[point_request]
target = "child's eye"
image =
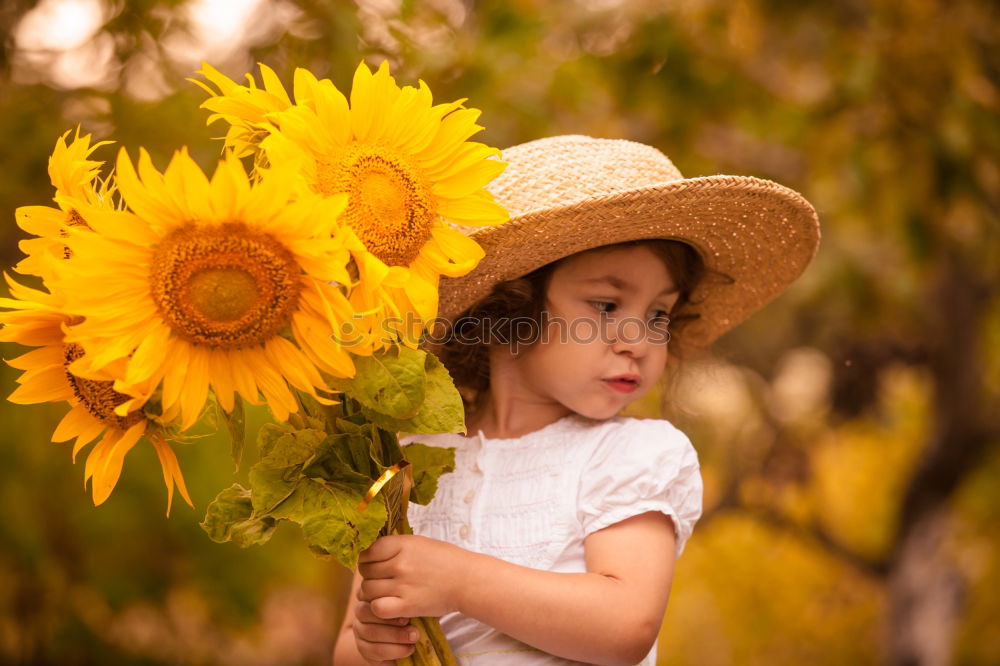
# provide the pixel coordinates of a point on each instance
(604, 306)
(661, 315)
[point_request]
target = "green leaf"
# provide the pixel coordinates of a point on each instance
(254, 531)
(269, 434)
(310, 405)
(229, 506)
(283, 458)
(294, 447)
(271, 487)
(390, 383)
(429, 463)
(359, 450)
(306, 476)
(313, 414)
(236, 424)
(441, 411)
(331, 523)
(229, 517)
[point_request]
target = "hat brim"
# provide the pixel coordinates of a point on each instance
(758, 232)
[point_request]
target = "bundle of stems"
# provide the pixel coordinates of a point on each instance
(396, 484)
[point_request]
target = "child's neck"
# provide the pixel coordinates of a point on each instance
(511, 421)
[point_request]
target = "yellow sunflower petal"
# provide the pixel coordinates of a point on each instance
(296, 367)
(171, 471)
(221, 378)
(196, 383)
(87, 434)
(72, 424)
(40, 220)
(469, 181)
(243, 377)
(147, 358)
(476, 210)
(333, 112)
(176, 372)
(279, 399)
(104, 464)
(36, 392)
(462, 252)
(154, 211)
(272, 84)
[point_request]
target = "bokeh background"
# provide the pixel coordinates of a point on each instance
(848, 432)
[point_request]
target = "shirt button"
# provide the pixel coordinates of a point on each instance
(464, 532)
(469, 496)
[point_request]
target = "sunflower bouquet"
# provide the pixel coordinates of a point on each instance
(301, 274)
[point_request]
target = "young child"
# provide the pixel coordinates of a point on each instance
(554, 540)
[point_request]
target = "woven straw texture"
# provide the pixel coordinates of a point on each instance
(567, 194)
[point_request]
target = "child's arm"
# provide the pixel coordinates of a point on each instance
(610, 615)
(388, 638)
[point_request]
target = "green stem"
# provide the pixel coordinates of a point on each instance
(432, 649)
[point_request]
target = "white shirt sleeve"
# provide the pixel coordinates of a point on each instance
(641, 465)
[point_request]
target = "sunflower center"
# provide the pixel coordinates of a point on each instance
(223, 294)
(226, 287)
(99, 397)
(390, 206)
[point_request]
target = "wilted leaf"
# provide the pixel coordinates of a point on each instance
(236, 424)
(229, 517)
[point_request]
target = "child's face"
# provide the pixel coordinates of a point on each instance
(607, 342)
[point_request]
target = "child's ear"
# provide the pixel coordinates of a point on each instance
(468, 394)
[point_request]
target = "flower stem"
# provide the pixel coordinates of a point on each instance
(432, 648)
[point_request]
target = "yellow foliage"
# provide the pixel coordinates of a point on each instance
(747, 594)
(861, 466)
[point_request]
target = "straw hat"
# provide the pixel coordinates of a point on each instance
(566, 194)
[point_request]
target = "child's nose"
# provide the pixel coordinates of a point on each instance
(630, 336)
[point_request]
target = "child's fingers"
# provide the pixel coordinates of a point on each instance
(369, 570)
(375, 632)
(388, 607)
(363, 612)
(369, 590)
(384, 548)
(381, 653)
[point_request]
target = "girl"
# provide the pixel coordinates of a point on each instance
(554, 540)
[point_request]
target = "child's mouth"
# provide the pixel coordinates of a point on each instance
(623, 384)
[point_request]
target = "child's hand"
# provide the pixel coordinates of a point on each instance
(411, 576)
(381, 641)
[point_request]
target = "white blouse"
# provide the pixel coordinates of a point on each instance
(532, 500)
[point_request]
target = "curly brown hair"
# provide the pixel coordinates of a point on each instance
(523, 299)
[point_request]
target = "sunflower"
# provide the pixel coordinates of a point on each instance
(244, 107)
(77, 182)
(36, 318)
(406, 167)
(219, 284)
